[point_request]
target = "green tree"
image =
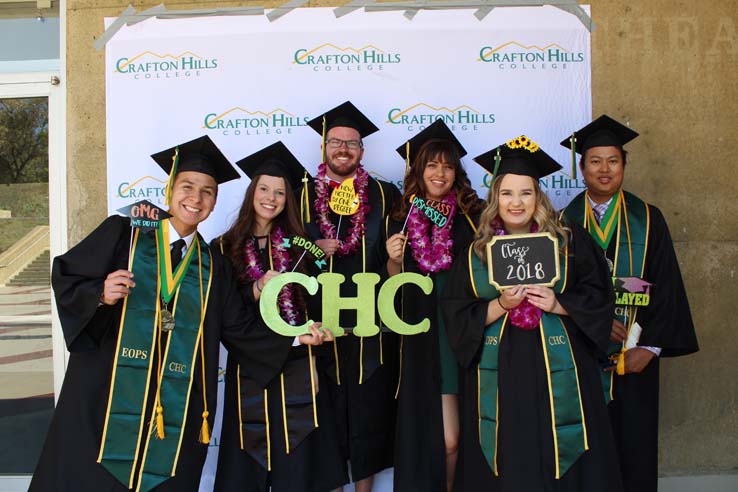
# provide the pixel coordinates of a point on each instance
(24, 135)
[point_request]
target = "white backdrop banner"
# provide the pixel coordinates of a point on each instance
(248, 82)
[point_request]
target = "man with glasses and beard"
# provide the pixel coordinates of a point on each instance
(360, 374)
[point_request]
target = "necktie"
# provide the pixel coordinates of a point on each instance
(600, 209)
(177, 247)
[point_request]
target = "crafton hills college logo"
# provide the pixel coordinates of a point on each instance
(151, 65)
(144, 188)
(420, 115)
(331, 58)
(517, 56)
(238, 121)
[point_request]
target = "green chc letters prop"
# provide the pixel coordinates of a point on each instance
(333, 303)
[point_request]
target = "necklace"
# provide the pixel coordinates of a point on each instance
(328, 230)
(432, 252)
(281, 258)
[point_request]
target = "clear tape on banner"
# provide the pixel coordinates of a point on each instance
(483, 8)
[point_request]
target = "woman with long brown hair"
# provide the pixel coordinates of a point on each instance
(432, 223)
(534, 416)
(271, 439)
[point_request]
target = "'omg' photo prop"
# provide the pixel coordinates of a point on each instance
(145, 216)
(523, 259)
(364, 303)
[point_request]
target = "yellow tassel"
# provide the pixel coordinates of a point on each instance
(205, 431)
(322, 145)
(160, 422)
(621, 363)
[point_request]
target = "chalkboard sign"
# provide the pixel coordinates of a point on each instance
(523, 259)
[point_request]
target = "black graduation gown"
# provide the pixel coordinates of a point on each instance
(68, 460)
(667, 323)
(420, 449)
(314, 464)
(525, 445)
(364, 412)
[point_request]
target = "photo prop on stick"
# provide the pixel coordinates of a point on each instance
(523, 259)
(144, 215)
(344, 199)
(435, 210)
(631, 291)
(306, 246)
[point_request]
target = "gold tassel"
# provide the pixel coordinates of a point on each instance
(407, 162)
(170, 181)
(322, 145)
(306, 193)
(573, 147)
(160, 422)
(205, 430)
(621, 363)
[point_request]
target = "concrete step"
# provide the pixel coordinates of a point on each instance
(36, 273)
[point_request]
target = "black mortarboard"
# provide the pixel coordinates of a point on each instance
(345, 114)
(518, 156)
(200, 155)
(602, 132)
(275, 160)
(436, 131)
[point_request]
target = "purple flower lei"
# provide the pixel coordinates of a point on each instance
(524, 315)
(327, 228)
(281, 257)
(432, 252)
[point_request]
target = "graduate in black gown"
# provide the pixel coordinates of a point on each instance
(361, 377)
(280, 439)
(533, 416)
(426, 448)
(143, 330)
(634, 238)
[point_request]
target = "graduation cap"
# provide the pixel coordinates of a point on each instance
(199, 155)
(437, 131)
(602, 132)
(518, 156)
(275, 160)
(345, 114)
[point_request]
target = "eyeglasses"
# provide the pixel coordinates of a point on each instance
(337, 143)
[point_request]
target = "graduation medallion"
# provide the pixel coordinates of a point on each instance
(167, 320)
(610, 264)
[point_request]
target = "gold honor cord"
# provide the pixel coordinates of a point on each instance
(312, 384)
(172, 279)
(269, 442)
(284, 415)
(238, 404)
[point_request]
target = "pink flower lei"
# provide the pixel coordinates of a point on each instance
(524, 315)
(281, 257)
(432, 252)
(328, 230)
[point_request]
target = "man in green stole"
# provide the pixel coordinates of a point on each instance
(635, 240)
(143, 315)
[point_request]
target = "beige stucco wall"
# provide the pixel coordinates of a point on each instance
(669, 69)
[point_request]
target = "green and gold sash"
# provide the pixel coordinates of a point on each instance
(567, 415)
(627, 220)
(134, 367)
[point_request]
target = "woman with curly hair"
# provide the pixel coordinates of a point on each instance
(432, 223)
(271, 440)
(534, 416)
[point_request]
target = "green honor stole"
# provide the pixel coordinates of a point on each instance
(567, 415)
(135, 368)
(628, 221)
